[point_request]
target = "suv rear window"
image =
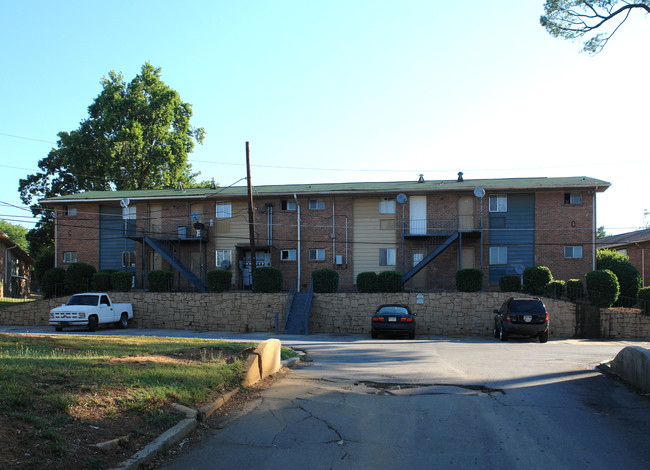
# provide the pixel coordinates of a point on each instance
(531, 306)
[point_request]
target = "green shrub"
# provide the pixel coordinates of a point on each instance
(602, 287)
(219, 280)
(52, 282)
(575, 289)
(326, 280)
(555, 289)
(643, 298)
(367, 282)
(510, 283)
(78, 277)
(122, 281)
(159, 280)
(389, 281)
(101, 281)
(628, 276)
(535, 279)
(43, 262)
(267, 279)
(469, 280)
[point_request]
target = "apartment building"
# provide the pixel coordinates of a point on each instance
(15, 270)
(424, 229)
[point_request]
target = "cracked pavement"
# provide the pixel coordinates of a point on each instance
(439, 403)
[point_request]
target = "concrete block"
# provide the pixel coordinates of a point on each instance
(632, 365)
(262, 362)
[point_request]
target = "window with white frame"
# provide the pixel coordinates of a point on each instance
(128, 213)
(498, 203)
(387, 257)
(287, 205)
(387, 206)
(573, 252)
(417, 257)
(316, 254)
(623, 251)
(128, 259)
(287, 255)
(70, 211)
(224, 210)
(573, 198)
(498, 255)
(69, 256)
(316, 204)
(223, 255)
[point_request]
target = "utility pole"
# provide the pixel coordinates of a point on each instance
(251, 219)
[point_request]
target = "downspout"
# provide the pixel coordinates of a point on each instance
(56, 240)
(295, 197)
(333, 233)
(269, 225)
(593, 235)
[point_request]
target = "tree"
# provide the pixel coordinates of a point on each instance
(594, 20)
(137, 136)
(17, 233)
(600, 232)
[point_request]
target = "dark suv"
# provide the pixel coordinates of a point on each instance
(523, 317)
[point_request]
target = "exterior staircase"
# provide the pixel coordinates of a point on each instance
(297, 318)
(436, 245)
(168, 256)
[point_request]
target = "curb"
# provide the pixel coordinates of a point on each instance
(183, 428)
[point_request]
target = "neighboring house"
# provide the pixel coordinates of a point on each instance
(634, 244)
(15, 272)
(424, 229)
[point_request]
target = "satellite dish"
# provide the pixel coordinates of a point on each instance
(479, 192)
(125, 202)
(225, 264)
(195, 216)
(519, 268)
(401, 198)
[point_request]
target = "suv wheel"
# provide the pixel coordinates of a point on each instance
(495, 332)
(503, 336)
(543, 336)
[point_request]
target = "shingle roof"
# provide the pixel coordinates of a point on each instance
(622, 239)
(393, 187)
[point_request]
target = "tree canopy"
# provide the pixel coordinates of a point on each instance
(17, 233)
(595, 21)
(137, 136)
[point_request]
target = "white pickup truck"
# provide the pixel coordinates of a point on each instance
(91, 309)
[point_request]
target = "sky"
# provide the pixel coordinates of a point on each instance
(342, 91)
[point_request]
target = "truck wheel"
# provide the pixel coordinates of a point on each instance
(58, 328)
(124, 321)
(92, 323)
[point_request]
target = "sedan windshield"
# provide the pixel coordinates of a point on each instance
(393, 310)
(83, 300)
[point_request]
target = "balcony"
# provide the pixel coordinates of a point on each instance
(436, 227)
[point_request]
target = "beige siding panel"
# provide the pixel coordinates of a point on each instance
(234, 230)
(369, 237)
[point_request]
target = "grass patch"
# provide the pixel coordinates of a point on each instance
(8, 301)
(61, 394)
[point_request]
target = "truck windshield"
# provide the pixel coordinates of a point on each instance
(83, 300)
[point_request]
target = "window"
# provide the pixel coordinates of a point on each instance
(316, 254)
(71, 211)
(288, 255)
(128, 259)
(224, 255)
(417, 257)
(573, 198)
(573, 252)
(387, 206)
(128, 213)
(387, 257)
(316, 204)
(623, 251)
(224, 210)
(498, 255)
(69, 256)
(498, 203)
(287, 205)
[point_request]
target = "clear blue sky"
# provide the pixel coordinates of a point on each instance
(342, 90)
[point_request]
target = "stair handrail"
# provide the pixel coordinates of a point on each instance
(310, 298)
(289, 302)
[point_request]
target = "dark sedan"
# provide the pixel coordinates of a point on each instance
(393, 319)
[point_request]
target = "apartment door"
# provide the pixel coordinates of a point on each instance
(418, 215)
(466, 213)
(468, 256)
(155, 261)
(419, 281)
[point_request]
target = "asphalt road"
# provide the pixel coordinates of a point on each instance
(435, 402)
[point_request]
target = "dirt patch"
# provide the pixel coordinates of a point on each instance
(27, 442)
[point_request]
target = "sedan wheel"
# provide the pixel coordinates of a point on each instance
(373, 334)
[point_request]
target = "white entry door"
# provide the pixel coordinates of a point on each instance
(418, 215)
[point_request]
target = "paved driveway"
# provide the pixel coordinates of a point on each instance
(435, 402)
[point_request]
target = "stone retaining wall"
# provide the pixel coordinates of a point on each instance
(457, 313)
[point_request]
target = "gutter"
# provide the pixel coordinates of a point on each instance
(295, 197)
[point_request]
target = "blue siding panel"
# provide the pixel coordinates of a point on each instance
(518, 234)
(111, 239)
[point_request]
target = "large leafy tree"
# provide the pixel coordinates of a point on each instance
(137, 136)
(17, 233)
(595, 21)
